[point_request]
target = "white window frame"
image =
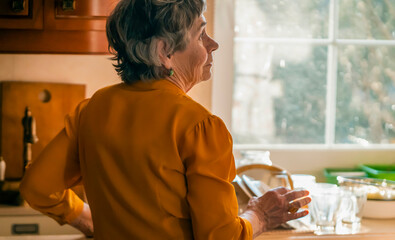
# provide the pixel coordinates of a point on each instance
(223, 75)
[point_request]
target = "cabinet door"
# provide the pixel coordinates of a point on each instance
(77, 14)
(21, 14)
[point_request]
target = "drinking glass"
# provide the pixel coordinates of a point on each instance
(324, 206)
(356, 198)
(349, 214)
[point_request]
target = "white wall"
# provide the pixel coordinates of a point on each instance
(96, 71)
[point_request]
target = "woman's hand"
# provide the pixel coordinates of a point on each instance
(84, 221)
(275, 207)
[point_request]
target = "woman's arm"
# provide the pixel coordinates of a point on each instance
(208, 159)
(47, 181)
(84, 221)
(207, 152)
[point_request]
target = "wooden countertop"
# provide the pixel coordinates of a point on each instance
(373, 229)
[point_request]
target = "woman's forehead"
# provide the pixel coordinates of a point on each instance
(199, 23)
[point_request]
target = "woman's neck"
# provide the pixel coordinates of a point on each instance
(184, 85)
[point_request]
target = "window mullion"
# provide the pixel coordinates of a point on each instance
(330, 116)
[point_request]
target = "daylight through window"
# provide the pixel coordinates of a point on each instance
(313, 72)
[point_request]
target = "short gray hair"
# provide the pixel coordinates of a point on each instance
(135, 27)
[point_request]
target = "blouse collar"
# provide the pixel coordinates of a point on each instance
(161, 84)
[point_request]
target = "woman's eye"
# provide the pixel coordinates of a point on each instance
(201, 35)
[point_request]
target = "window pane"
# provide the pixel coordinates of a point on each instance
(279, 93)
(366, 95)
(282, 18)
(367, 19)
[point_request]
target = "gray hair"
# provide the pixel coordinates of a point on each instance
(135, 27)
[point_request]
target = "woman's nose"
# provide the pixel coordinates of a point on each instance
(212, 45)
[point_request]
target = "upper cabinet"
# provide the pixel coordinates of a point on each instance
(21, 14)
(54, 26)
(86, 15)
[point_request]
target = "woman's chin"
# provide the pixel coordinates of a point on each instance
(206, 78)
(206, 75)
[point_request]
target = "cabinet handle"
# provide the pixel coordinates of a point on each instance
(68, 5)
(18, 5)
(25, 228)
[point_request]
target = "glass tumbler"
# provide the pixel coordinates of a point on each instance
(324, 206)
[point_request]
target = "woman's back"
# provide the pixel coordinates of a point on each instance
(129, 138)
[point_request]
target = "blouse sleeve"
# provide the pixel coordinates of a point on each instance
(209, 162)
(47, 181)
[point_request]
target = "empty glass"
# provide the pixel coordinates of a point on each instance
(324, 206)
(354, 199)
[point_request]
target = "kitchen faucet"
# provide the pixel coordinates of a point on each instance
(29, 136)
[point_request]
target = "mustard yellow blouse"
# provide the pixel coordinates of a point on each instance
(154, 163)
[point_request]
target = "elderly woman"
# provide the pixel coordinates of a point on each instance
(154, 163)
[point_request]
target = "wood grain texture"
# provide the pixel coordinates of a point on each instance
(49, 116)
(71, 42)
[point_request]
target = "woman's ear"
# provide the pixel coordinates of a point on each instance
(164, 57)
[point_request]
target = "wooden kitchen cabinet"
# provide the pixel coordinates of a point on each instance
(87, 15)
(27, 14)
(54, 26)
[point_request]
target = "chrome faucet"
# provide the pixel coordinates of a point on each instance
(29, 136)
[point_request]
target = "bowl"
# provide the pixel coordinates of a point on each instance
(377, 189)
(379, 209)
